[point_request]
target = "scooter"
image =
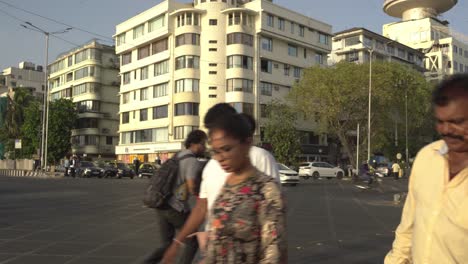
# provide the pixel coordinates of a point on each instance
(368, 180)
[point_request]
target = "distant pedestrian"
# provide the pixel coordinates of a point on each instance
(66, 165)
(396, 170)
(136, 164)
(73, 165)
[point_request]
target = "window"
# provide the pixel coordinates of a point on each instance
(109, 140)
(187, 85)
(292, 27)
(144, 94)
(323, 38)
(263, 110)
(87, 54)
(125, 98)
(126, 78)
(142, 136)
(301, 31)
(401, 53)
(267, 44)
(410, 57)
(70, 61)
(319, 58)
(186, 109)
(187, 62)
(181, 132)
(161, 68)
(212, 49)
(212, 96)
(213, 72)
(213, 22)
(138, 31)
(455, 66)
(286, 69)
(455, 49)
(144, 73)
(270, 20)
(213, 41)
(160, 112)
(246, 108)
(85, 72)
(297, 72)
(213, 64)
(391, 50)
(379, 45)
(240, 38)
(160, 90)
(212, 88)
(87, 123)
(239, 85)
(126, 58)
(143, 52)
(87, 106)
(143, 114)
(240, 61)
(156, 23)
(69, 76)
(292, 50)
(188, 39)
(265, 65)
(120, 39)
(266, 88)
(281, 24)
(367, 42)
(85, 140)
(159, 46)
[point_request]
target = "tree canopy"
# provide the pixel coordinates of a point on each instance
(338, 95)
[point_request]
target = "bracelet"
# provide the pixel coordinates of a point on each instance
(179, 242)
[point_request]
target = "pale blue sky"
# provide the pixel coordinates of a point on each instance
(100, 16)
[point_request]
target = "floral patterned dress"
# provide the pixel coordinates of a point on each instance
(248, 223)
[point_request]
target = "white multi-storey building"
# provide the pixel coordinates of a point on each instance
(88, 75)
(26, 75)
(178, 60)
(356, 45)
(421, 28)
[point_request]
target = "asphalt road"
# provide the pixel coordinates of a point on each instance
(90, 221)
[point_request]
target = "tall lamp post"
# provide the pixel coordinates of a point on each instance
(371, 51)
(45, 112)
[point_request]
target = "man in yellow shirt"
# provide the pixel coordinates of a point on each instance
(434, 223)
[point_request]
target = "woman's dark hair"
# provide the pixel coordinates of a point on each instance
(441, 95)
(218, 111)
(233, 125)
(195, 137)
(251, 121)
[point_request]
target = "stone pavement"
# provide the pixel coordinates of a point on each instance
(91, 221)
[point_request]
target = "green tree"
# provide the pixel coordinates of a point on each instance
(14, 118)
(338, 95)
(280, 132)
(62, 119)
(31, 129)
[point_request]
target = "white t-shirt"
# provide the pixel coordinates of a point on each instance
(214, 177)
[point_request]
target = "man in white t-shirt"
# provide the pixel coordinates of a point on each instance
(213, 179)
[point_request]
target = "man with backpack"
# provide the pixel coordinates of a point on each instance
(169, 193)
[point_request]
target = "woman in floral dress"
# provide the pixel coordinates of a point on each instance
(248, 218)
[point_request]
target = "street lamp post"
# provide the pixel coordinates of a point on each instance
(371, 51)
(406, 125)
(45, 112)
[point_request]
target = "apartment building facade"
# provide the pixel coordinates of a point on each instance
(353, 45)
(89, 76)
(26, 75)
(421, 27)
(178, 60)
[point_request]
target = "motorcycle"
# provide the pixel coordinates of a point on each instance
(368, 180)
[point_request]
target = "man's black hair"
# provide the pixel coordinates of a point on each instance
(216, 112)
(457, 82)
(233, 125)
(195, 137)
(251, 122)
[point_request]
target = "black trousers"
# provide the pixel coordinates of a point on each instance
(168, 221)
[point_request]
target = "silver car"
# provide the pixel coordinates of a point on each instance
(287, 175)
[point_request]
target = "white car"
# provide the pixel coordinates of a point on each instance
(287, 175)
(318, 169)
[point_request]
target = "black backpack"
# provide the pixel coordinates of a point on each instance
(161, 184)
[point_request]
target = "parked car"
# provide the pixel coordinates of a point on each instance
(146, 170)
(318, 169)
(383, 169)
(123, 170)
(109, 169)
(287, 175)
(88, 169)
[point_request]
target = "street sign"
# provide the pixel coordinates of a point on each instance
(399, 156)
(17, 143)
